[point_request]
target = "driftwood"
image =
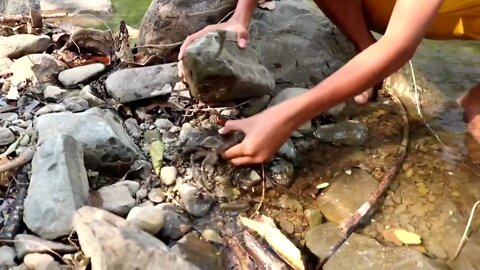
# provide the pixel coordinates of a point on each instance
(15, 217)
(241, 256)
(355, 221)
(21, 160)
(264, 260)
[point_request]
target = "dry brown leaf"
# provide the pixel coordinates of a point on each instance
(268, 5)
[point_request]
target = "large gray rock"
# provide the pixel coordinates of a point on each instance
(217, 70)
(363, 252)
(145, 82)
(7, 257)
(112, 243)
(81, 74)
(298, 54)
(19, 45)
(58, 187)
(346, 193)
(26, 244)
(99, 131)
(171, 21)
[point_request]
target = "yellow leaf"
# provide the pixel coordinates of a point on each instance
(157, 148)
(408, 238)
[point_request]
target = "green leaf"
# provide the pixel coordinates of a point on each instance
(157, 148)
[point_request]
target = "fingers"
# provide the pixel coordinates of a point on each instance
(243, 161)
(242, 39)
(230, 126)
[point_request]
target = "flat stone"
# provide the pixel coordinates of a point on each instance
(177, 224)
(58, 187)
(363, 252)
(6, 136)
(40, 261)
(157, 195)
(54, 92)
(132, 186)
(168, 175)
(76, 104)
(99, 7)
(149, 219)
(217, 70)
(22, 44)
(7, 257)
(100, 132)
(112, 243)
(51, 108)
(117, 199)
(128, 85)
(163, 123)
(81, 74)
(26, 244)
(345, 195)
(182, 17)
(199, 252)
(352, 133)
(196, 203)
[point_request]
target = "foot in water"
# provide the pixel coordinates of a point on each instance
(368, 95)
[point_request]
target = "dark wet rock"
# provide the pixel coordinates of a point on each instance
(163, 123)
(363, 252)
(41, 262)
(54, 93)
(87, 94)
(282, 172)
(289, 46)
(112, 243)
(149, 219)
(217, 70)
(98, 7)
(81, 74)
(19, 45)
(131, 124)
(196, 202)
(199, 252)
(26, 244)
(288, 151)
(313, 217)
(168, 175)
(128, 85)
(37, 68)
(100, 132)
(177, 224)
(117, 199)
(7, 257)
(157, 195)
(255, 106)
(168, 22)
(58, 175)
(6, 136)
(352, 133)
(51, 108)
(346, 193)
(76, 104)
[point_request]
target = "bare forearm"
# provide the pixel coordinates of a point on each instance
(362, 72)
(244, 10)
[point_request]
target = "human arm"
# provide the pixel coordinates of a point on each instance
(267, 131)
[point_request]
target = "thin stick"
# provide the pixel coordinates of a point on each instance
(464, 239)
(354, 221)
(19, 161)
(263, 193)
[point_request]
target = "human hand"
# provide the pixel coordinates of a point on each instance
(265, 133)
(231, 25)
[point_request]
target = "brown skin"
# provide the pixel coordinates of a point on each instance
(268, 130)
